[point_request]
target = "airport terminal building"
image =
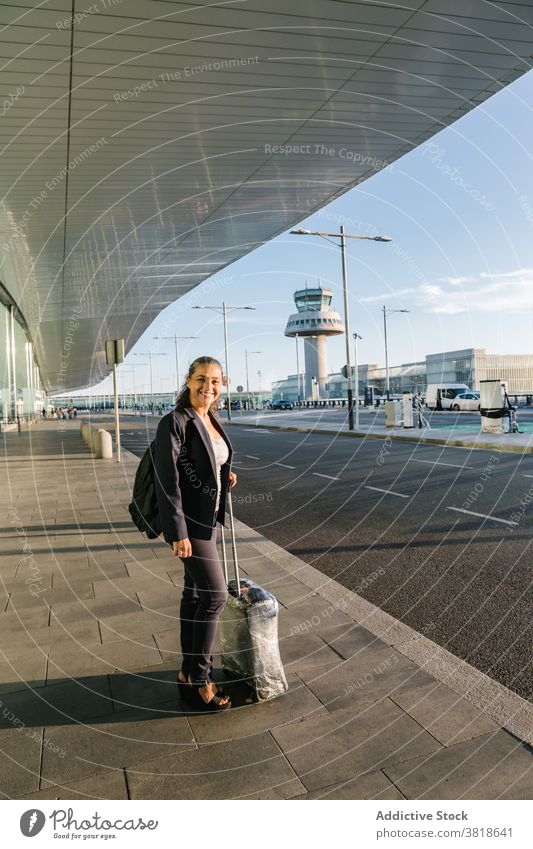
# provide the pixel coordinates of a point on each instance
(470, 366)
(20, 384)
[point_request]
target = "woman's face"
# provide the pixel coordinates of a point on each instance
(205, 386)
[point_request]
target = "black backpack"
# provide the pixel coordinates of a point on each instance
(144, 509)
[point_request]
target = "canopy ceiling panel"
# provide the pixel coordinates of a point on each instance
(144, 143)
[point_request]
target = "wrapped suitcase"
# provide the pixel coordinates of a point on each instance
(248, 631)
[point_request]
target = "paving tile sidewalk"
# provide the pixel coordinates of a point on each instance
(89, 653)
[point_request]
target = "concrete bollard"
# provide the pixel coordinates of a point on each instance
(103, 444)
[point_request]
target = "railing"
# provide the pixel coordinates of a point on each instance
(324, 403)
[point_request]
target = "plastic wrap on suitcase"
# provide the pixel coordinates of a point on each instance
(249, 639)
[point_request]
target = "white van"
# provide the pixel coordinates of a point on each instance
(439, 396)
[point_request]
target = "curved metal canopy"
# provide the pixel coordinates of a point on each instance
(146, 144)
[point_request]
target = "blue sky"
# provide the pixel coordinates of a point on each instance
(459, 210)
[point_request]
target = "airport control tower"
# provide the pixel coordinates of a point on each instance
(315, 321)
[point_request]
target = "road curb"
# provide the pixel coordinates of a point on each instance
(428, 440)
(505, 707)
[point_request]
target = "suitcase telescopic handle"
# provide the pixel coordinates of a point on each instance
(233, 542)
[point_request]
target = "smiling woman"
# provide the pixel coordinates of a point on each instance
(202, 387)
(193, 469)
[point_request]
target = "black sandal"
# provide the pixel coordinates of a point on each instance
(184, 688)
(214, 704)
(221, 693)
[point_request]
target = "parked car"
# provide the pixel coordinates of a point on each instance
(466, 401)
(281, 404)
(441, 396)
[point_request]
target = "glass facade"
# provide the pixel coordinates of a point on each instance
(313, 299)
(515, 369)
(20, 390)
(467, 366)
(474, 364)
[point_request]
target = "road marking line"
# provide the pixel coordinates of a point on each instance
(388, 491)
(251, 457)
(330, 477)
(483, 516)
(285, 466)
(507, 707)
(438, 463)
(528, 476)
(257, 430)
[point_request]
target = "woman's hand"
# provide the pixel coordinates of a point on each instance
(232, 479)
(182, 548)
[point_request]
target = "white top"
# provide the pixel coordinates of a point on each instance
(221, 452)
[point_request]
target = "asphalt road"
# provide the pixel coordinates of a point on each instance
(437, 536)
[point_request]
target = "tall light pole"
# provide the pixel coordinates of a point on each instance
(223, 308)
(175, 340)
(297, 369)
(246, 352)
(343, 236)
(356, 337)
(387, 312)
(134, 385)
(123, 391)
(151, 354)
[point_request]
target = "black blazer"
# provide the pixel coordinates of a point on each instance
(185, 482)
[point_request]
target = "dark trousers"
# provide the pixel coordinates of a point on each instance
(203, 600)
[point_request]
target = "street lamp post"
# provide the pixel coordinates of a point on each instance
(134, 382)
(223, 308)
(246, 352)
(356, 376)
(135, 387)
(343, 236)
(297, 370)
(151, 354)
(124, 371)
(387, 312)
(175, 340)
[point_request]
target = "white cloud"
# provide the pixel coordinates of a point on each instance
(496, 292)
(518, 272)
(387, 296)
(457, 281)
